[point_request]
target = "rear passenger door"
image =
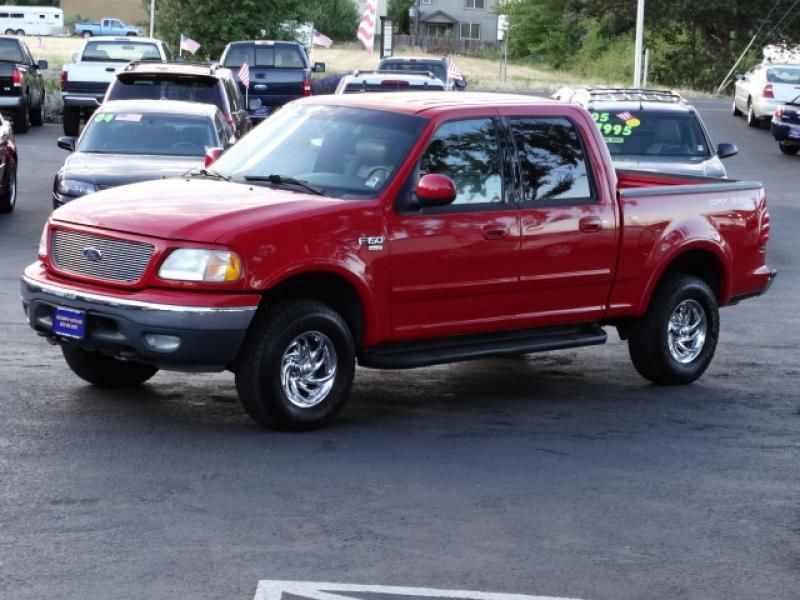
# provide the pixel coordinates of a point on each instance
(568, 223)
(454, 269)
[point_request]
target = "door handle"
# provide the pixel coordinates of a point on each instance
(260, 86)
(111, 69)
(590, 224)
(495, 233)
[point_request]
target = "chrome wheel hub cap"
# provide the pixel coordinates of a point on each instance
(308, 369)
(686, 331)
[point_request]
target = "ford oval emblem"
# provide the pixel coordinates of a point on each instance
(92, 254)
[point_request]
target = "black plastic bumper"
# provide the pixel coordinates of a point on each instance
(209, 338)
(781, 133)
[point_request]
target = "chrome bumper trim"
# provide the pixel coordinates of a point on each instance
(68, 294)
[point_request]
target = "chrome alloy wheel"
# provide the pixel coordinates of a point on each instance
(686, 331)
(308, 369)
(12, 188)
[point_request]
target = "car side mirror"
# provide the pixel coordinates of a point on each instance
(725, 150)
(212, 154)
(460, 84)
(738, 77)
(42, 65)
(75, 57)
(319, 67)
(435, 189)
(66, 142)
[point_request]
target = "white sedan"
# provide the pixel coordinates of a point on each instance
(763, 89)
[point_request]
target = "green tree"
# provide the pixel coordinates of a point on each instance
(398, 12)
(338, 19)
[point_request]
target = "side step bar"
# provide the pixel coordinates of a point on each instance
(407, 355)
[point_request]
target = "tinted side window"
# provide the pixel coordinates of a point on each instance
(552, 161)
(467, 152)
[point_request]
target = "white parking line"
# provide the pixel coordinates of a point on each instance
(269, 589)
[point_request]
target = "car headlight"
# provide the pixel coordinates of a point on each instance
(194, 264)
(43, 242)
(75, 187)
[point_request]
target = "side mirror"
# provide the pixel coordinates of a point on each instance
(212, 154)
(725, 150)
(42, 65)
(75, 57)
(435, 189)
(460, 84)
(738, 77)
(319, 67)
(67, 143)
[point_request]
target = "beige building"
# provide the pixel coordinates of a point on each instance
(132, 12)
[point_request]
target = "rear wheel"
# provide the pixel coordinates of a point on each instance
(789, 149)
(752, 120)
(37, 114)
(675, 341)
(10, 32)
(87, 34)
(104, 371)
(72, 120)
(8, 199)
(22, 118)
(297, 366)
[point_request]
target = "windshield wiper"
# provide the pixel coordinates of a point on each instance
(281, 180)
(208, 173)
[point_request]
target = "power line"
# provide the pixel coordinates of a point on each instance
(781, 20)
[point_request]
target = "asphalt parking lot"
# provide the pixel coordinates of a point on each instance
(561, 474)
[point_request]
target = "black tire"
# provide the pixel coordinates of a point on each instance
(72, 120)
(37, 114)
(752, 120)
(20, 32)
(85, 34)
(258, 370)
(789, 149)
(10, 32)
(104, 371)
(22, 121)
(648, 338)
(8, 199)
(735, 111)
(131, 34)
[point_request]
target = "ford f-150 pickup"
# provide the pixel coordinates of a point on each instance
(394, 231)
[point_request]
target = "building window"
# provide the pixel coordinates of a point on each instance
(474, 4)
(429, 1)
(470, 31)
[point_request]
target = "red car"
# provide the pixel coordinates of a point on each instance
(395, 231)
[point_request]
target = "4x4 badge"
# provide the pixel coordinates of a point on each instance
(371, 242)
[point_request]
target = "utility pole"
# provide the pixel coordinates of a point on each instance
(637, 59)
(152, 17)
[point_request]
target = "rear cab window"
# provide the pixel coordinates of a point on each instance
(113, 51)
(266, 55)
(11, 51)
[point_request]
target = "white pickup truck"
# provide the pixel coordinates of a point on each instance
(85, 79)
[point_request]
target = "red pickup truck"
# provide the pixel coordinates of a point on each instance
(394, 231)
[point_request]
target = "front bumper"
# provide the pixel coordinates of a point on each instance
(210, 336)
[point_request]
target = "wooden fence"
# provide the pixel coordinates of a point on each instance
(444, 45)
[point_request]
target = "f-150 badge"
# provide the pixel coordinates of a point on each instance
(371, 242)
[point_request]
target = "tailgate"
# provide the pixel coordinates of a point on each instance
(6, 86)
(96, 72)
(272, 88)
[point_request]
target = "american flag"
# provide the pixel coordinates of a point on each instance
(189, 44)
(320, 39)
(625, 116)
(366, 28)
(452, 69)
(244, 74)
(41, 43)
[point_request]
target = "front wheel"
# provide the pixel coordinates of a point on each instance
(735, 109)
(104, 371)
(789, 149)
(675, 341)
(8, 199)
(37, 114)
(296, 366)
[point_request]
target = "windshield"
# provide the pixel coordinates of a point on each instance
(266, 55)
(147, 133)
(120, 52)
(652, 134)
(205, 90)
(437, 68)
(346, 152)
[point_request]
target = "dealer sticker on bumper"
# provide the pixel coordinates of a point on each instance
(68, 322)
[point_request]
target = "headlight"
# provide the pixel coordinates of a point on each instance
(43, 242)
(74, 187)
(190, 264)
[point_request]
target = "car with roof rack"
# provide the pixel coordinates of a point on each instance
(84, 81)
(395, 231)
(389, 81)
(187, 82)
(761, 90)
(653, 130)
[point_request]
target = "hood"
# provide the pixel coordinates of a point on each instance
(709, 167)
(110, 170)
(198, 209)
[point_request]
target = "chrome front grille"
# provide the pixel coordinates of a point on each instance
(113, 260)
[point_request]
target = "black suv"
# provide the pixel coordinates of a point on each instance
(208, 84)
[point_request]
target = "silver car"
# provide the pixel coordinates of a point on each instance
(763, 89)
(652, 130)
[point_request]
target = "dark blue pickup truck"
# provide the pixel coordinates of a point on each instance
(279, 73)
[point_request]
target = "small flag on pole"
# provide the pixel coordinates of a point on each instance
(244, 74)
(41, 43)
(366, 28)
(452, 70)
(320, 39)
(189, 44)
